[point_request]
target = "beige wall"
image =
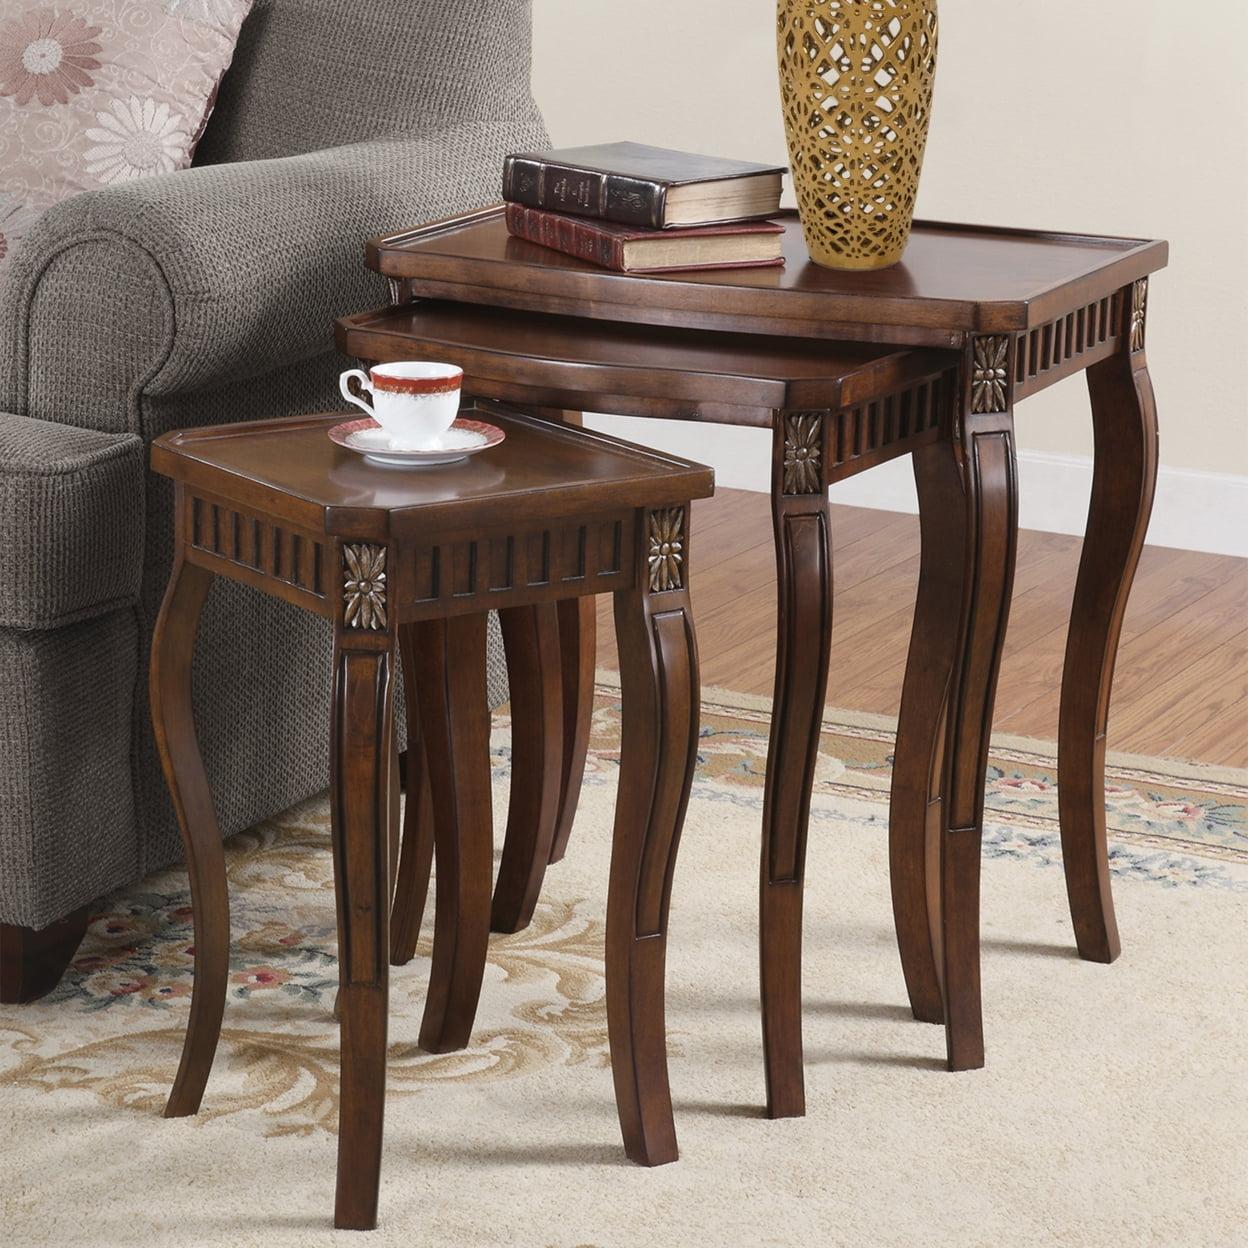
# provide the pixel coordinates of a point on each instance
(1116, 116)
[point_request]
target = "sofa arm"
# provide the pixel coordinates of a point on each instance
(183, 282)
(71, 511)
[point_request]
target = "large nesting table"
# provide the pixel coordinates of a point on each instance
(928, 358)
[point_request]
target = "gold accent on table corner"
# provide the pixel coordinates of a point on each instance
(803, 453)
(1139, 313)
(364, 586)
(667, 549)
(856, 91)
(990, 375)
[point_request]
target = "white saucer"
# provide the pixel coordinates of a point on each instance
(366, 437)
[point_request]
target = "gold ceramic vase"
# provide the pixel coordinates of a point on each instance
(856, 85)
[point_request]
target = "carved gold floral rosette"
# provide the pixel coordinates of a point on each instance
(1139, 313)
(666, 557)
(364, 586)
(803, 453)
(990, 375)
(856, 87)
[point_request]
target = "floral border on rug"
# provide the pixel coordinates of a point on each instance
(1162, 827)
(128, 994)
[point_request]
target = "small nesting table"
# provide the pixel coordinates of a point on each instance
(413, 560)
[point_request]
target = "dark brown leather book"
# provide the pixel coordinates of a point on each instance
(651, 187)
(626, 249)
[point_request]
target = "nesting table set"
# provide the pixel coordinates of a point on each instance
(847, 370)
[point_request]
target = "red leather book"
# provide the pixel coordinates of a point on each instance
(627, 249)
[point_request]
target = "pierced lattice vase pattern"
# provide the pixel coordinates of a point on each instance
(856, 84)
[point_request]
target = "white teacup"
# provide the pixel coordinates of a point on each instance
(414, 401)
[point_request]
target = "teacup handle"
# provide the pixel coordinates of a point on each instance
(365, 381)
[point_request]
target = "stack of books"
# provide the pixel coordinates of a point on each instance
(639, 209)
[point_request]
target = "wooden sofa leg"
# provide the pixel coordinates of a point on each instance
(31, 962)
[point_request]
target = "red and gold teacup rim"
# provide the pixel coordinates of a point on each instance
(416, 377)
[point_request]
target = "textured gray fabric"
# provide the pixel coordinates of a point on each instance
(207, 297)
(71, 512)
(311, 74)
(87, 368)
(244, 268)
(496, 691)
(67, 817)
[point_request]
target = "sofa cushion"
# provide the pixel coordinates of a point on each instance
(67, 817)
(71, 512)
(94, 92)
(386, 67)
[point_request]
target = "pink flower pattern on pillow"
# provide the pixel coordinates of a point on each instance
(97, 92)
(48, 56)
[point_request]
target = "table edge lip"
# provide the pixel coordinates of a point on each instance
(1137, 257)
(909, 357)
(176, 447)
(489, 212)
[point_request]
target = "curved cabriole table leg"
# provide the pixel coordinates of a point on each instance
(1124, 415)
(578, 647)
(915, 804)
(173, 648)
(363, 812)
(449, 665)
(660, 699)
(535, 669)
(804, 637)
(984, 446)
(578, 642)
(416, 856)
(534, 674)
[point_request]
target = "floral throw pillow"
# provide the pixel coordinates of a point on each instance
(95, 92)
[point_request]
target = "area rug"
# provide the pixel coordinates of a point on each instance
(1113, 1109)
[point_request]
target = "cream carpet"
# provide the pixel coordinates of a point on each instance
(1113, 1110)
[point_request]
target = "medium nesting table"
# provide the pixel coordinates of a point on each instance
(887, 401)
(414, 559)
(1014, 311)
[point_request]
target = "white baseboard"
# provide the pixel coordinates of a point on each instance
(1205, 511)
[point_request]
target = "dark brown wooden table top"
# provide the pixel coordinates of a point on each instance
(542, 467)
(687, 373)
(954, 281)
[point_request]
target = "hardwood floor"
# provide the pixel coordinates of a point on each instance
(1181, 682)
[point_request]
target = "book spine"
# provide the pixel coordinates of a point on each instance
(566, 234)
(584, 192)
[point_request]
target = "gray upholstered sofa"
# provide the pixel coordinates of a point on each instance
(202, 297)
